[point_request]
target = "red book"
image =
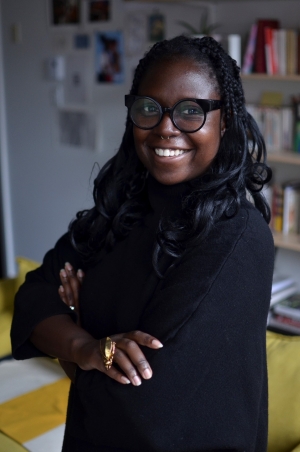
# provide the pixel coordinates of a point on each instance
(260, 50)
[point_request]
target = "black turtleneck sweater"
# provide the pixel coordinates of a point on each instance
(209, 384)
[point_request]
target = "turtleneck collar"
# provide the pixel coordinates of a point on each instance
(166, 199)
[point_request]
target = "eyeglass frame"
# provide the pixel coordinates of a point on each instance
(207, 105)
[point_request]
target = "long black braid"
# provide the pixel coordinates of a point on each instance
(240, 165)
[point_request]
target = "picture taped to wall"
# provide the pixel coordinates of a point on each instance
(99, 10)
(109, 57)
(156, 27)
(64, 12)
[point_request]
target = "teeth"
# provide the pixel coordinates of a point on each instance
(168, 152)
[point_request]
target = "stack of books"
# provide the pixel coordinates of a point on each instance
(282, 288)
(277, 125)
(285, 207)
(285, 315)
(272, 50)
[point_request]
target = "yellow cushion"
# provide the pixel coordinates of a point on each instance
(9, 444)
(25, 265)
(7, 293)
(8, 289)
(283, 356)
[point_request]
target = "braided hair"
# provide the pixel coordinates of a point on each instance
(239, 166)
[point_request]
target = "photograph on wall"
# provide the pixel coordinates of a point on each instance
(109, 57)
(156, 27)
(77, 129)
(99, 10)
(64, 12)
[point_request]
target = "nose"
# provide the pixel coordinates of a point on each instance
(166, 128)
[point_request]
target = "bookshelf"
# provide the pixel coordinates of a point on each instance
(289, 158)
(283, 78)
(287, 241)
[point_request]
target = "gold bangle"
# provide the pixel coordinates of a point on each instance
(108, 352)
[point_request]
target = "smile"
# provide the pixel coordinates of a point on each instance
(168, 152)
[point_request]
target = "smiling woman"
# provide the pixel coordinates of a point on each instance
(165, 341)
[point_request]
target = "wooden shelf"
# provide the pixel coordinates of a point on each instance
(288, 157)
(287, 241)
(285, 78)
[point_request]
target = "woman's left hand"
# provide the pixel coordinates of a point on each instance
(71, 282)
(69, 289)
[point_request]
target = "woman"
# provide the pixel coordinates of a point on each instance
(173, 255)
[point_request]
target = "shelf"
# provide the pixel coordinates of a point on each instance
(288, 157)
(287, 241)
(285, 78)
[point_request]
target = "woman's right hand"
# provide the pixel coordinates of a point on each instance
(132, 365)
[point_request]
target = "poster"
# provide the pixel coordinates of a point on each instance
(99, 10)
(109, 57)
(64, 12)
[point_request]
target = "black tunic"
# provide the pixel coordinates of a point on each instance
(209, 384)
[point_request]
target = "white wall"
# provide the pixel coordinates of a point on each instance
(50, 182)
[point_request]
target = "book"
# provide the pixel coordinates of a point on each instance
(270, 51)
(287, 128)
(260, 54)
(296, 110)
(280, 323)
(283, 294)
(281, 282)
(248, 60)
(281, 34)
(277, 208)
(291, 204)
(289, 307)
(291, 52)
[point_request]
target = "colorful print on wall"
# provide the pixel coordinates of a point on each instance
(99, 10)
(109, 57)
(64, 12)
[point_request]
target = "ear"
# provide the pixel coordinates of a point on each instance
(223, 125)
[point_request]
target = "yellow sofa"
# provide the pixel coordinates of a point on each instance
(283, 356)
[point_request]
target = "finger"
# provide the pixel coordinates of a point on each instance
(74, 283)
(144, 339)
(68, 292)
(80, 275)
(127, 366)
(117, 375)
(62, 294)
(132, 361)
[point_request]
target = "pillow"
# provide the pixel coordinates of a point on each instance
(283, 358)
(25, 265)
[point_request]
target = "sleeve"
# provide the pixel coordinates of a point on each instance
(209, 384)
(38, 299)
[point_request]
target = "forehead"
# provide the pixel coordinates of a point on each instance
(174, 79)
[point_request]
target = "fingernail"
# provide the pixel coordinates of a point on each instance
(157, 344)
(63, 272)
(147, 374)
(125, 380)
(136, 381)
(80, 273)
(61, 288)
(68, 266)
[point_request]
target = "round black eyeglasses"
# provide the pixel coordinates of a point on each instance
(188, 115)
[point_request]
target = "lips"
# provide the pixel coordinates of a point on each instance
(169, 152)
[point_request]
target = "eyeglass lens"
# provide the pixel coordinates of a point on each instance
(188, 116)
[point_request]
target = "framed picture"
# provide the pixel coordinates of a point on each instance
(64, 12)
(98, 10)
(109, 57)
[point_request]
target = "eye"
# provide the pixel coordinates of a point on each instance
(150, 108)
(189, 110)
